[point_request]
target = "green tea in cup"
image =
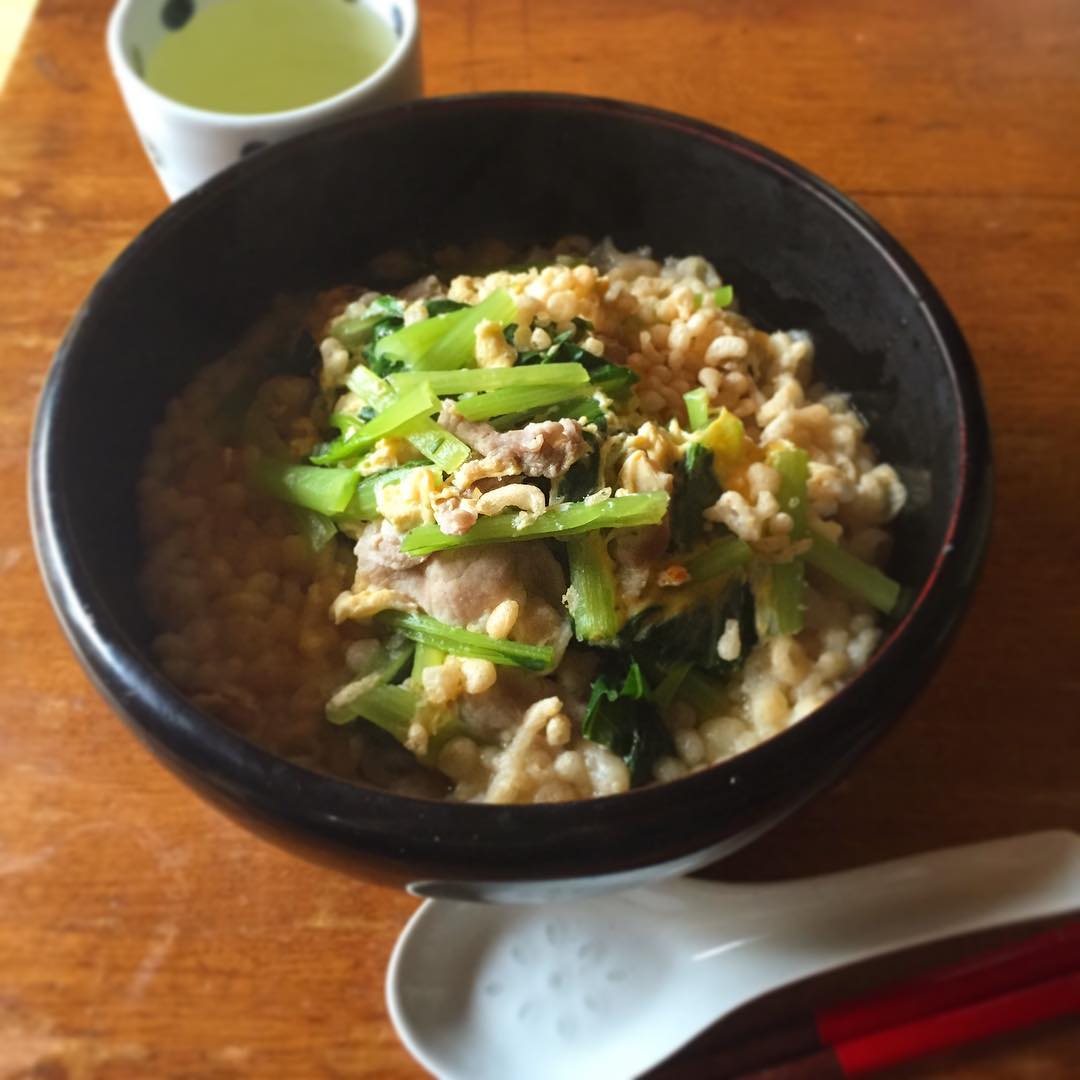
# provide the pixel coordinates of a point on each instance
(266, 56)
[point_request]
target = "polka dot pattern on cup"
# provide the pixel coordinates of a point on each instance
(176, 13)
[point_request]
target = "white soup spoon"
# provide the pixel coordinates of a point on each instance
(610, 986)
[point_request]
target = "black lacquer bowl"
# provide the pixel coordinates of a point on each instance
(526, 168)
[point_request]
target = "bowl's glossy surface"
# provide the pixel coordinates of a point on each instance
(525, 168)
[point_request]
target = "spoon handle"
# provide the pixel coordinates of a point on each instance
(790, 930)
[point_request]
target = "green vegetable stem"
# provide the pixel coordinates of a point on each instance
(452, 639)
(443, 342)
(592, 588)
(567, 519)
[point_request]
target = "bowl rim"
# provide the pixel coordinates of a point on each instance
(432, 832)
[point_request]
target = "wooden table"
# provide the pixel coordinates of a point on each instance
(141, 934)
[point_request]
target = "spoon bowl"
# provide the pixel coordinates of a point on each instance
(611, 986)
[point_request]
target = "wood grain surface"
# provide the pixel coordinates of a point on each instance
(143, 935)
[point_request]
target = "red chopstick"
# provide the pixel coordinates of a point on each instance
(1033, 1004)
(1029, 961)
(1024, 963)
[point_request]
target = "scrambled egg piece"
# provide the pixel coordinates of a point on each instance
(368, 602)
(492, 349)
(408, 502)
(387, 454)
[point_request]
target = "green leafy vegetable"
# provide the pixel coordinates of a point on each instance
(621, 717)
(586, 409)
(442, 342)
(437, 444)
(706, 694)
(358, 330)
(724, 296)
(348, 424)
(563, 349)
(613, 379)
(395, 708)
(780, 587)
(583, 477)
(326, 491)
(317, 529)
(368, 386)
(384, 365)
(778, 591)
(592, 588)
(697, 408)
(568, 519)
(691, 634)
(441, 721)
(370, 698)
(877, 589)
(514, 399)
(425, 656)
(389, 707)
(473, 380)
(392, 420)
(385, 327)
(668, 688)
(696, 489)
(453, 639)
(725, 555)
(442, 305)
(793, 465)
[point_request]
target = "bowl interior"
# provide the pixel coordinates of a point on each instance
(314, 215)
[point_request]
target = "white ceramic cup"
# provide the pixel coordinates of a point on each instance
(187, 145)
